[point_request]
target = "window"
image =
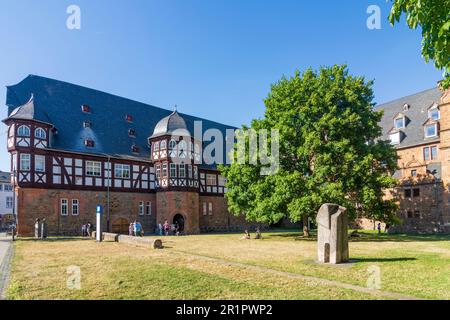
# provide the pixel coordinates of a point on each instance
(87, 124)
(211, 180)
(182, 147)
(23, 131)
(190, 171)
(416, 214)
(163, 145)
(195, 172)
(181, 171)
(222, 181)
(408, 193)
(395, 138)
(433, 153)
(205, 208)
(399, 123)
(430, 153)
(434, 114)
(164, 170)
(416, 192)
(1, 187)
(155, 146)
(85, 108)
(409, 214)
(128, 118)
(158, 171)
(122, 171)
(426, 153)
(89, 143)
(9, 202)
(172, 144)
(75, 207)
(210, 208)
(39, 163)
(40, 133)
(135, 149)
(431, 130)
(173, 170)
(64, 207)
(132, 133)
(141, 208)
(8, 187)
(93, 168)
(413, 173)
(148, 208)
(25, 162)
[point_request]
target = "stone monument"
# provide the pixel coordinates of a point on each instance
(332, 237)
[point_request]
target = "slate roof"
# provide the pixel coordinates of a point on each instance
(417, 115)
(59, 103)
(172, 124)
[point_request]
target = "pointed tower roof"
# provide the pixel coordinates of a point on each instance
(25, 111)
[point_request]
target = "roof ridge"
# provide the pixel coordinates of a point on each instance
(405, 97)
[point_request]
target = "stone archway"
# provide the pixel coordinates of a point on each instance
(179, 219)
(120, 226)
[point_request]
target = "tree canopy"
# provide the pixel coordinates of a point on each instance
(329, 151)
(433, 16)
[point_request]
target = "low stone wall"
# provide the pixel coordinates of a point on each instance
(137, 241)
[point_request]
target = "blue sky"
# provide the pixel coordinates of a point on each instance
(213, 58)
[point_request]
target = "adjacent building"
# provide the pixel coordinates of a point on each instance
(419, 127)
(73, 148)
(6, 200)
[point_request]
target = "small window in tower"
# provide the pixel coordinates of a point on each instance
(89, 143)
(129, 118)
(135, 149)
(407, 193)
(413, 173)
(132, 133)
(85, 108)
(87, 124)
(416, 192)
(163, 144)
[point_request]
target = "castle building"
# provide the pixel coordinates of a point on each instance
(418, 126)
(73, 148)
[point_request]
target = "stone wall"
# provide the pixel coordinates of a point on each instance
(42, 203)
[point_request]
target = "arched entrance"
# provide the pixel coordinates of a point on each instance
(179, 219)
(120, 226)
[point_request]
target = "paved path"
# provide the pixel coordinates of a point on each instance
(5, 260)
(334, 283)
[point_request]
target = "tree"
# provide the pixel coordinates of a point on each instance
(433, 16)
(329, 151)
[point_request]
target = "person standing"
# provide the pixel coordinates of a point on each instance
(166, 228)
(89, 229)
(137, 229)
(379, 227)
(131, 229)
(83, 230)
(160, 229)
(37, 229)
(43, 229)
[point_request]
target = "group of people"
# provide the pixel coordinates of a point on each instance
(135, 229)
(167, 228)
(86, 230)
(247, 235)
(40, 229)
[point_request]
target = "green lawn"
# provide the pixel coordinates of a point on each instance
(225, 267)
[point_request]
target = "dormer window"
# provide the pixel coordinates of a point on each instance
(156, 146)
(85, 108)
(128, 118)
(395, 137)
(135, 149)
(89, 143)
(40, 133)
(399, 122)
(23, 131)
(87, 124)
(132, 133)
(431, 130)
(434, 113)
(163, 145)
(406, 107)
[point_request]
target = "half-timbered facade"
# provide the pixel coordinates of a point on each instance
(73, 148)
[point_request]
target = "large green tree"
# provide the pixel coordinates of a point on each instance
(433, 16)
(329, 151)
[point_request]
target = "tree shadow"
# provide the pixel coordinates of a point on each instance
(56, 239)
(399, 259)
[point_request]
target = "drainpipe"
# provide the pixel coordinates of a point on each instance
(107, 194)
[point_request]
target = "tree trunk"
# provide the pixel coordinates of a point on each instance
(305, 226)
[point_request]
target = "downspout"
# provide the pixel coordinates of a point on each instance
(107, 193)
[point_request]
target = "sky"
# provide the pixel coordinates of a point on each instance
(214, 59)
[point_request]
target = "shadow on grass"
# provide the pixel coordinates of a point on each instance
(55, 239)
(356, 259)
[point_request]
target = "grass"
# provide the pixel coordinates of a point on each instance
(410, 265)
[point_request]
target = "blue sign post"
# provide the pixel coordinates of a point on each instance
(98, 233)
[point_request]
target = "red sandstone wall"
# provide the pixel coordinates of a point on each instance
(41, 203)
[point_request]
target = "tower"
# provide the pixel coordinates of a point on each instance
(176, 155)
